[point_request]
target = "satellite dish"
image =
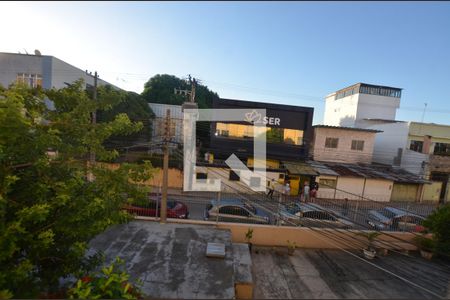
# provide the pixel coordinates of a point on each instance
(37, 52)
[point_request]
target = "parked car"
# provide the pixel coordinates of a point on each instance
(152, 208)
(391, 218)
(235, 210)
(312, 215)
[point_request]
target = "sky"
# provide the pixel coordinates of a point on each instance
(281, 52)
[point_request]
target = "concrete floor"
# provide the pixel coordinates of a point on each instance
(334, 274)
(171, 259)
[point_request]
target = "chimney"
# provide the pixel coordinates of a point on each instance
(426, 144)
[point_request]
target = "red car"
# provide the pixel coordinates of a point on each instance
(175, 209)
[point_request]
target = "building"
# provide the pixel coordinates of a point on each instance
(421, 148)
(41, 70)
(289, 132)
(343, 144)
(348, 106)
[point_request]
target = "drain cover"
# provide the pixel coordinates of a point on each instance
(215, 250)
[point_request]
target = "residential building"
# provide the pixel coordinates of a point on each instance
(348, 106)
(41, 70)
(343, 144)
(421, 148)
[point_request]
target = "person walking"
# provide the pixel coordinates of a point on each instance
(287, 191)
(271, 188)
(306, 191)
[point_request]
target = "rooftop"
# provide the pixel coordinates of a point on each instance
(347, 128)
(335, 274)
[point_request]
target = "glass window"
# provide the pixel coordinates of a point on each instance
(31, 80)
(441, 149)
(416, 146)
(273, 134)
(331, 142)
(357, 145)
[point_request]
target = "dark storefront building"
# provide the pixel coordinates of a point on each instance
(289, 132)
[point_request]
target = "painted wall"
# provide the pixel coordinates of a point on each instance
(344, 152)
(432, 191)
(349, 110)
(376, 107)
(341, 112)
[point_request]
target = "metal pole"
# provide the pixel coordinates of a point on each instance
(165, 170)
(218, 208)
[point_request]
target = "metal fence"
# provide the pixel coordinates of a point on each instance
(282, 210)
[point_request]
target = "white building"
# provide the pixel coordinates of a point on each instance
(41, 70)
(348, 106)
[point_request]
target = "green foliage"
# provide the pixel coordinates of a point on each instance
(137, 110)
(160, 89)
(111, 283)
(249, 235)
(370, 236)
(48, 210)
(438, 223)
(424, 243)
(291, 245)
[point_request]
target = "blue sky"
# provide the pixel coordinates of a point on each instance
(282, 52)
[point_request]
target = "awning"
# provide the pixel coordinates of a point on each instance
(297, 168)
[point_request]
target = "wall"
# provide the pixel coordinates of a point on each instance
(341, 112)
(414, 162)
(432, 191)
(344, 152)
(11, 64)
(352, 188)
(63, 72)
(378, 190)
(377, 107)
(387, 143)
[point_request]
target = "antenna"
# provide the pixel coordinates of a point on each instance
(423, 114)
(25, 50)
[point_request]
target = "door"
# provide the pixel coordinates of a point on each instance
(404, 192)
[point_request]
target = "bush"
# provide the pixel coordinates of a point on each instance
(111, 283)
(424, 243)
(438, 223)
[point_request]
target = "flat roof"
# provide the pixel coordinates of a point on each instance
(335, 274)
(368, 85)
(267, 105)
(375, 172)
(347, 128)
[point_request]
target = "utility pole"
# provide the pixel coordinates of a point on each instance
(165, 168)
(93, 121)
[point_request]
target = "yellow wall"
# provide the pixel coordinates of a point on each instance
(441, 132)
(432, 191)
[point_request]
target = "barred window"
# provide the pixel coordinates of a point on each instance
(357, 145)
(331, 142)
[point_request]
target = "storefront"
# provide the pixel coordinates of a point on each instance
(289, 132)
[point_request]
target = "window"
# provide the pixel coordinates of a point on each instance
(357, 145)
(201, 175)
(327, 183)
(331, 142)
(31, 80)
(273, 134)
(416, 146)
(441, 149)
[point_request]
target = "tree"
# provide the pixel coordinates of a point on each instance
(137, 110)
(160, 89)
(48, 210)
(438, 223)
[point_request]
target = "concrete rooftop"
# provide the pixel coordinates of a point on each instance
(334, 274)
(171, 259)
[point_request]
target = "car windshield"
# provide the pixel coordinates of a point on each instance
(250, 208)
(387, 213)
(292, 209)
(171, 204)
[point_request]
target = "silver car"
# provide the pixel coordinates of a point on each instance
(235, 210)
(394, 219)
(312, 215)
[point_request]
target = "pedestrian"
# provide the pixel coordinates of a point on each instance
(306, 191)
(271, 188)
(313, 194)
(287, 191)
